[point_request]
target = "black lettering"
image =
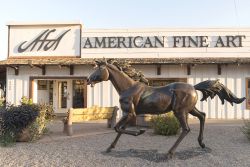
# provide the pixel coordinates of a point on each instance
(176, 40)
(183, 41)
(240, 39)
(203, 41)
(111, 41)
(135, 39)
(130, 42)
(230, 39)
(56, 42)
(100, 43)
(192, 41)
(20, 49)
(43, 40)
(148, 42)
(219, 42)
(46, 36)
(121, 40)
(87, 43)
(158, 41)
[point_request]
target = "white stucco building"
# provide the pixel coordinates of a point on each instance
(50, 62)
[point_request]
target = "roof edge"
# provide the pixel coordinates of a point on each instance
(14, 23)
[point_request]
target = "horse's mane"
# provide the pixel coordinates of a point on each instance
(128, 70)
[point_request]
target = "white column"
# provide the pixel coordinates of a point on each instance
(34, 91)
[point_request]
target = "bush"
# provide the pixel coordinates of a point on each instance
(26, 122)
(166, 124)
(14, 120)
(25, 100)
(246, 129)
(38, 127)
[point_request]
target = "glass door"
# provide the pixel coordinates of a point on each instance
(62, 94)
(78, 93)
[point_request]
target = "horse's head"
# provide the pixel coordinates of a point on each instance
(100, 74)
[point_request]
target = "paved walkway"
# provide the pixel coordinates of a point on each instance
(86, 128)
(89, 128)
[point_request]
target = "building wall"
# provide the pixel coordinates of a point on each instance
(233, 77)
(104, 94)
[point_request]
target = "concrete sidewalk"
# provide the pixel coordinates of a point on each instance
(86, 128)
(89, 128)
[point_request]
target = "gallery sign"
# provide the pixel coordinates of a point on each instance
(44, 40)
(67, 40)
(229, 41)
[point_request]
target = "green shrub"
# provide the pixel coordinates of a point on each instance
(27, 118)
(25, 100)
(38, 127)
(246, 129)
(166, 124)
(14, 120)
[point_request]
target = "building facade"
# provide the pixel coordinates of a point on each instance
(50, 63)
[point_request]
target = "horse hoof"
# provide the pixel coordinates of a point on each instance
(202, 145)
(170, 155)
(108, 150)
(142, 131)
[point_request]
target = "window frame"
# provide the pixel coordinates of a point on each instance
(247, 105)
(162, 79)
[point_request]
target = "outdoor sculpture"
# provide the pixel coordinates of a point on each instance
(138, 98)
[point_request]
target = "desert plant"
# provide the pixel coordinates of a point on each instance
(38, 127)
(48, 110)
(165, 124)
(246, 129)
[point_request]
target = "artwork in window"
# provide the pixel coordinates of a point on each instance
(42, 85)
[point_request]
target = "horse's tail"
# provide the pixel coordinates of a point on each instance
(210, 88)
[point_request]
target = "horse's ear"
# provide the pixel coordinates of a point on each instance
(97, 62)
(110, 61)
(105, 61)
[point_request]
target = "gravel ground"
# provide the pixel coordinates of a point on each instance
(226, 146)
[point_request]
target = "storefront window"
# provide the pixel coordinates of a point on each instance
(248, 92)
(50, 92)
(42, 84)
(164, 81)
(78, 93)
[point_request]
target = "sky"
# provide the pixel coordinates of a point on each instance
(125, 14)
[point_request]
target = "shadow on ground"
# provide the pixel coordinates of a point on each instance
(154, 156)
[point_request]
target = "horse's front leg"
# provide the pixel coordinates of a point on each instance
(120, 127)
(128, 109)
(121, 124)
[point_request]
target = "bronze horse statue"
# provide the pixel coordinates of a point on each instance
(137, 98)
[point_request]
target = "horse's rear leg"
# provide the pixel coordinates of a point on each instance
(182, 117)
(201, 115)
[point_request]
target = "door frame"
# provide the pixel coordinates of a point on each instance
(56, 98)
(32, 78)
